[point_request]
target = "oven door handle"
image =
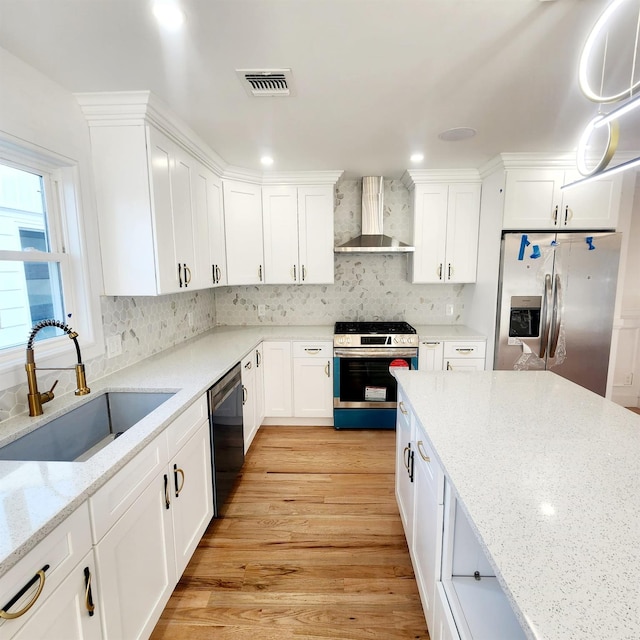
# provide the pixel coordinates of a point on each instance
(375, 352)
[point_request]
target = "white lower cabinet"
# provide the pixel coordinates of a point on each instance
(312, 379)
(147, 521)
(435, 355)
(136, 567)
(430, 355)
(52, 590)
(278, 390)
(460, 595)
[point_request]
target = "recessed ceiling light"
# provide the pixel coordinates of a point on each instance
(457, 133)
(417, 157)
(168, 13)
(267, 161)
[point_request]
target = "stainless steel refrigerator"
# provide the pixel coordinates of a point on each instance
(556, 302)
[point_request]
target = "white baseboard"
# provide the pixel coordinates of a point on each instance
(299, 422)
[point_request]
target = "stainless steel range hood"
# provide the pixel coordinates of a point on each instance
(372, 239)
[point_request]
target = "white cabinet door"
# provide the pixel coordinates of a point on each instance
(463, 222)
(278, 393)
(280, 228)
(594, 205)
(211, 255)
(243, 232)
(259, 392)
(182, 177)
(430, 355)
(428, 520)
(315, 230)
(461, 364)
(405, 450)
(534, 199)
(446, 223)
(137, 574)
(427, 263)
(69, 613)
(191, 495)
(313, 381)
(249, 417)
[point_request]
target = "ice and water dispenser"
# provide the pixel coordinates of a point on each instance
(524, 317)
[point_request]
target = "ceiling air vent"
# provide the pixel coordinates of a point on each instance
(266, 82)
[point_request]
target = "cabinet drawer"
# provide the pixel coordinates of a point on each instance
(313, 350)
(474, 349)
(404, 414)
(111, 501)
(62, 550)
(433, 471)
(464, 364)
(185, 425)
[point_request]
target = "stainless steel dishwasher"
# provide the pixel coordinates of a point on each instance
(227, 436)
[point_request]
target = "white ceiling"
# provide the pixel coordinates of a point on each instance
(375, 80)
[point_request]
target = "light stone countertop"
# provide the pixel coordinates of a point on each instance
(548, 474)
(447, 332)
(37, 496)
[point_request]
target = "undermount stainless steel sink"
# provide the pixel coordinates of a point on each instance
(82, 432)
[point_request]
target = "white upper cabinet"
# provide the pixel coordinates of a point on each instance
(446, 220)
(534, 199)
(243, 232)
(153, 221)
(298, 234)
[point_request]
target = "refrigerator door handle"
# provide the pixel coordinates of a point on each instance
(546, 310)
(557, 317)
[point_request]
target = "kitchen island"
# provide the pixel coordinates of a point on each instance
(546, 474)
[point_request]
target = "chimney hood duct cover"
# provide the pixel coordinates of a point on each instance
(372, 239)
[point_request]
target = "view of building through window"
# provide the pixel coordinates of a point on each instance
(30, 270)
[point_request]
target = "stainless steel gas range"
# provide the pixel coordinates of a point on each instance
(364, 391)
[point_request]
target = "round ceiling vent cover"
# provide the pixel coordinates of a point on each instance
(457, 133)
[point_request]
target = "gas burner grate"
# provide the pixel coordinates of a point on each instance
(364, 328)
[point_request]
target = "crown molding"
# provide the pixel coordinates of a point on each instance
(137, 108)
(412, 177)
(301, 177)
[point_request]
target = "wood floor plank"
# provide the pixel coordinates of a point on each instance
(310, 546)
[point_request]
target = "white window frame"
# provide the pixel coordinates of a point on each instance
(66, 228)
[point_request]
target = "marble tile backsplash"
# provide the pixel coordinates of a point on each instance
(366, 287)
(146, 325)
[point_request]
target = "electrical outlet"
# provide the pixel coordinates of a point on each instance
(262, 309)
(190, 318)
(628, 380)
(448, 310)
(114, 346)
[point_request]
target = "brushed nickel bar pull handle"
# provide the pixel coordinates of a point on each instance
(449, 367)
(180, 275)
(465, 350)
(440, 271)
(218, 274)
(248, 365)
(213, 274)
(555, 215)
(258, 359)
(187, 275)
(312, 350)
(245, 395)
(260, 273)
(405, 456)
(38, 577)
(449, 271)
(304, 273)
(327, 369)
(178, 472)
(402, 409)
(295, 275)
(88, 597)
(423, 455)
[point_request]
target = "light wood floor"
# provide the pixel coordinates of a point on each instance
(310, 547)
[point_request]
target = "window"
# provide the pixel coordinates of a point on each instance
(31, 256)
(46, 240)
